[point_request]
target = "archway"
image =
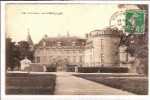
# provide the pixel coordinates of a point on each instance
(61, 65)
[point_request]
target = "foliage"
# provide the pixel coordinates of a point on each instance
(24, 50)
(16, 52)
(12, 54)
(137, 44)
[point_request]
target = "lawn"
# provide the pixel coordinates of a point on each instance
(27, 84)
(132, 83)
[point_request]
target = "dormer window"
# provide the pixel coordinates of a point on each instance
(73, 43)
(59, 43)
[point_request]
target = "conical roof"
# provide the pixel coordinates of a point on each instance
(29, 40)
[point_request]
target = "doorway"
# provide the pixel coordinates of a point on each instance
(61, 66)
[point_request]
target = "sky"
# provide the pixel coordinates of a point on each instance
(55, 19)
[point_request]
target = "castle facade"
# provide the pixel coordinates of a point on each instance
(100, 48)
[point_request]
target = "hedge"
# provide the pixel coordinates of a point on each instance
(71, 68)
(51, 69)
(102, 70)
(25, 83)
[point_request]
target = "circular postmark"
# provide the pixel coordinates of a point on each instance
(117, 20)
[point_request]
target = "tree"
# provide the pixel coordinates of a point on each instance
(137, 45)
(12, 54)
(25, 51)
(16, 52)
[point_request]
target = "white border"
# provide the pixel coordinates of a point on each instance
(64, 97)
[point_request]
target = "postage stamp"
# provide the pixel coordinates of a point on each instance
(134, 21)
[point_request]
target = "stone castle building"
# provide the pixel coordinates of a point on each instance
(63, 50)
(100, 48)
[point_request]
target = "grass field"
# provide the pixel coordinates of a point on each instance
(27, 84)
(132, 83)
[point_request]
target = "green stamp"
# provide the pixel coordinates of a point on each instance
(135, 21)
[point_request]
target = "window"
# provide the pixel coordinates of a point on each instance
(73, 43)
(68, 58)
(59, 43)
(74, 58)
(50, 58)
(80, 59)
(37, 51)
(38, 59)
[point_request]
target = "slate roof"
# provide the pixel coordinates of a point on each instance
(63, 41)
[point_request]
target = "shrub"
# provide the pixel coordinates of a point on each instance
(51, 68)
(71, 68)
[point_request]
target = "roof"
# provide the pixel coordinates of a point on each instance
(105, 31)
(29, 40)
(62, 41)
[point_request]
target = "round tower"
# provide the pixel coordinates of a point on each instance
(105, 47)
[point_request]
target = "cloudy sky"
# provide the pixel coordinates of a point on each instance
(55, 19)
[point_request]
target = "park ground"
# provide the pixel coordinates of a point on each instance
(68, 83)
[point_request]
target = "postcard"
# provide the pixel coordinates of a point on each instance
(74, 50)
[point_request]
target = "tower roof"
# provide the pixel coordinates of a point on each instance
(29, 40)
(106, 31)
